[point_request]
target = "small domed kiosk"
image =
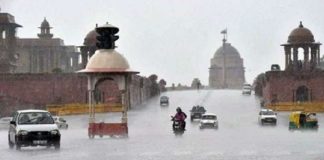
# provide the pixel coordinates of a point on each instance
(108, 64)
(301, 38)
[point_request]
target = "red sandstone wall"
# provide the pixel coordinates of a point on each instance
(41, 89)
(284, 84)
(22, 91)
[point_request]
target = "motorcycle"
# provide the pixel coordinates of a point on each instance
(178, 126)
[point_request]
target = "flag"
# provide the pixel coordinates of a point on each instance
(224, 31)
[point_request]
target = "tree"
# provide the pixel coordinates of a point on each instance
(153, 77)
(196, 84)
(155, 89)
(259, 83)
(162, 84)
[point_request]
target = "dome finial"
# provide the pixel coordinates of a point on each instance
(301, 24)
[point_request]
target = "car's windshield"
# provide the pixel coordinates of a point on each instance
(35, 118)
(164, 97)
(267, 113)
(209, 117)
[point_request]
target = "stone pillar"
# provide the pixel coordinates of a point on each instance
(287, 54)
(295, 57)
(313, 57)
(306, 53)
(318, 56)
(84, 56)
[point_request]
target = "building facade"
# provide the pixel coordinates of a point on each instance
(226, 69)
(44, 54)
(8, 43)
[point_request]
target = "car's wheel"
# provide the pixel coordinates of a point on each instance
(11, 145)
(91, 136)
(57, 146)
(18, 146)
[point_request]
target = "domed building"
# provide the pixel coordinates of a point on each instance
(43, 54)
(302, 80)
(89, 47)
(226, 69)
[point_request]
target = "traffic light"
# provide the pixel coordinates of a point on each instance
(106, 38)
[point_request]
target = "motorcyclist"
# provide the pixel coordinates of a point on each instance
(180, 116)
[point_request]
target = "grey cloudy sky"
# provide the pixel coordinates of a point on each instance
(176, 38)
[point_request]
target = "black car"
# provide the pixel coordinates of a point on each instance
(164, 100)
(197, 112)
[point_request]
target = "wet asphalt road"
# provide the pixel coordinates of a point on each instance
(150, 136)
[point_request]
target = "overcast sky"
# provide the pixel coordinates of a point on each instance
(176, 39)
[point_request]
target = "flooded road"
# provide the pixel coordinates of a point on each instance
(239, 135)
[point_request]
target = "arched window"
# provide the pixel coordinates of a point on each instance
(302, 94)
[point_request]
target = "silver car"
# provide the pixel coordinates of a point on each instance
(60, 122)
(5, 122)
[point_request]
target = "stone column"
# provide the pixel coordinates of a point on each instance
(313, 59)
(84, 56)
(287, 54)
(306, 52)
(318, 55)
(295, 57)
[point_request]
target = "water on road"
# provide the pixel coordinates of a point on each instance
(239, 135)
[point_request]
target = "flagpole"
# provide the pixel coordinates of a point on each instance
(224, 32)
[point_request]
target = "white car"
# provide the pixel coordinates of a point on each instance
(208, 120)
(247, 89)
(33, 128)
(267, 116)
(60, 122)
(5, 122)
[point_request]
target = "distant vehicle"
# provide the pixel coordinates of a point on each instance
(275, 67)
(164, 100)
(33, 128)
(302, 120)
(196, 112)
(208, 120)
(5, 122)
(60, 122)
(267, 116)
(247, 89)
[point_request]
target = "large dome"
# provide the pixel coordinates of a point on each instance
(301, 35)
(91, 38)
(227, 49)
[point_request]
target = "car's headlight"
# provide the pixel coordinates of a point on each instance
(54, 132)
(23, 132)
